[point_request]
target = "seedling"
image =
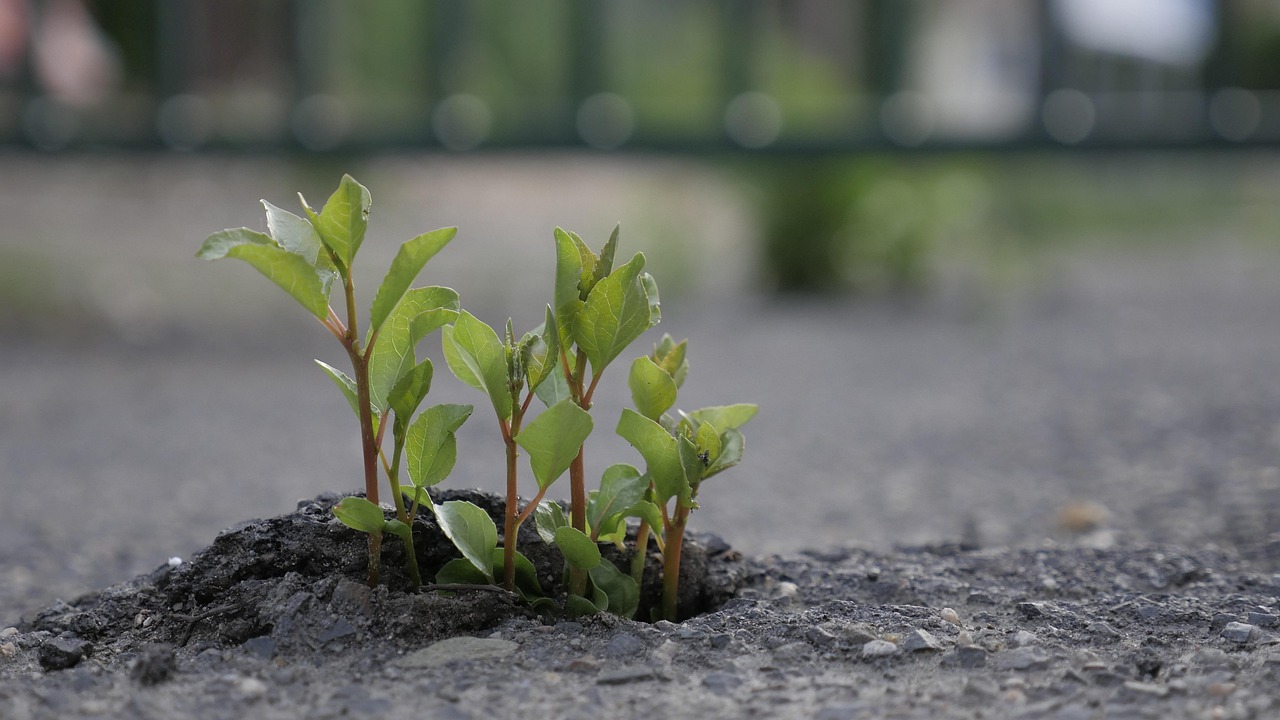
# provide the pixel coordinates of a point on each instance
(680, 452)
(306, 257)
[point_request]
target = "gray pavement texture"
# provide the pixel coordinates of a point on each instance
(154, 401)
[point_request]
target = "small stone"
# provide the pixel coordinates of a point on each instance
(787, 590)
(250, 688)
(1031, 610)
(1023, 658)
(174, 561)
(721, 683)
(1221, 689)
(8, 649)
(793, 652)
(1103, 631)
(1239, 632)
(61, 653)
(964, 639)
(857, 633)
(878, 648)
(950, 615)
(1145, 688)
(155, 664)
(921, 641)
(967, 656)
(8, 633)
(457, 649)
(1262, 619)
(623, 676)
(623, 646)
(666, 626)
(1022, 638)
(820, 636)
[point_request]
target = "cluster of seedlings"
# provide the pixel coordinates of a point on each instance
(598, 311)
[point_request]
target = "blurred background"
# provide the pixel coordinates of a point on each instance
(995, 271)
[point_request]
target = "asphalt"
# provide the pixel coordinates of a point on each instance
(148, 400)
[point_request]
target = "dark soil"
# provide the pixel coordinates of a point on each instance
(274, 620)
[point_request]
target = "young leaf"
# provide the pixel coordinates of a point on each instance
(579, 550)
(616, 313)
(358, 513)
(399, 529)
(571, 256)
(409, 392)
(431, 445)
(291, 272)
(621, 487)
(344, 383)
(543, 352)
(553, 440)
(623, 592)
(526, 573)
(342, 222)
(420, 311)
(604, 263)
(471, 530)
(409, 261)
(731, 445)
(652, 390)
(478, 358)
(670, 356)
(647, 512)
(725, 417)
(296, 235)
(578, 606)
(460, 571)
(553, 389)
(660, 452)
(548, 517)
(707, 440)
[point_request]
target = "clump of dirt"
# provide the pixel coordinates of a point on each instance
(296, 582)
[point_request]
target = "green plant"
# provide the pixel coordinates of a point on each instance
(306, 257)
(679, 451)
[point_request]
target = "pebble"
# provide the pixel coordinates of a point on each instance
(8, 632)
(1145, 688)
(250, 688)
(61, 653)
(969, 656)
(623, 676)
(1262, 619)
(1022, 638)
(1239, 632)
(623, 646)
(920, 641)
(1031, 610)
(950, 615)
(964, 639)
(8, 649)
(878, 648)
(457, 649)
(1023, 658)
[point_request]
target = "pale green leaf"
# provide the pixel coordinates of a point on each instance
(731, 446)
(409, 261)
(478, 358)
(616, 313)
(393, 352)
(725, 417)
(660, 451)
(707, 440)
(293, 233)
(554, 439)
(409, 392)
(670, 356)
(548, 517)
(399, 529)
(471, 530)
(579, 550)
(553, 390)
(344, 383)
(358, 513)
(341, 224)
(604, 263)
(578, 606)
(291, 272)
(623, 592)
(621, 486)
(526, 573)
(571, 255)
(431, 445)
(460, 571)
(653, 391)
(543, 354)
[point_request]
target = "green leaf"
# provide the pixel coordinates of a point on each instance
(414, 494)
(478, 358)
(409, 261)
(526, 573)
(358, 513)
(622, 590)
(420, 311)
(579, 550)
(344, 383)
(731, 445)
(409, 392)
(543, 355)
(291, 272)
(399, 529)
(694, 469)
(616, 313)
(707, 440)
(554, 439)
(652, 390)
(471, 530)
(670, 356)
(621, 486)
(431, 444)
(660, 451)
(647, 512)
(547, 518)
(725, 417)
(571, 257)
(460, 571)
(342, 222)
(578, 606)
(604, 263)
(553, 390)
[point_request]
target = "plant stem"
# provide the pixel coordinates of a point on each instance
(368, 443)
(411, 555)
(510, 528)
(642, 552)
(671, 564)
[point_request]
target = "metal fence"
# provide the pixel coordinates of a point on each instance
(667, 75)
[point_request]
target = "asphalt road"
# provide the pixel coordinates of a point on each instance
(159, 404)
